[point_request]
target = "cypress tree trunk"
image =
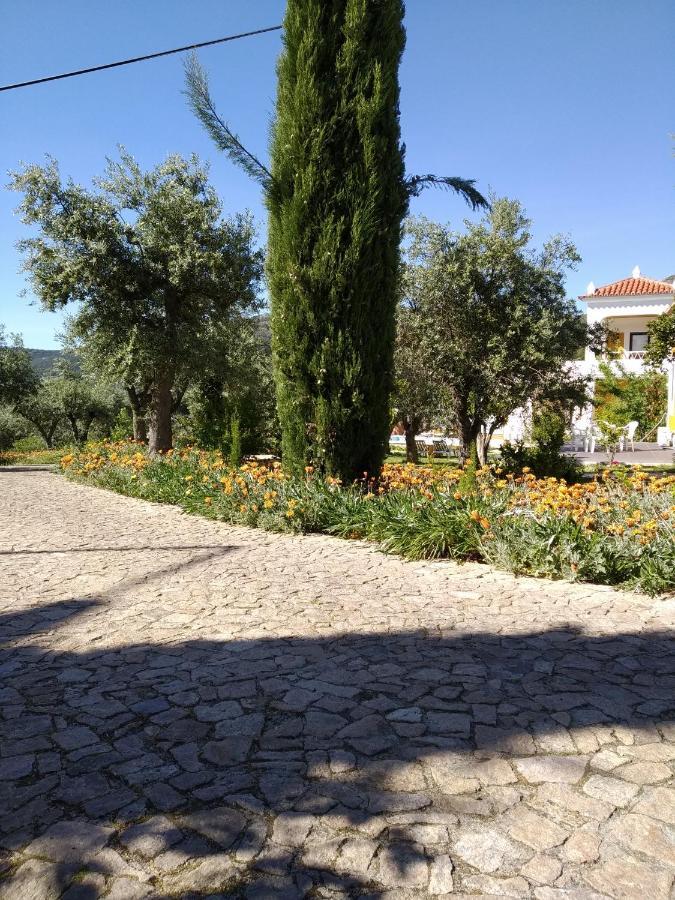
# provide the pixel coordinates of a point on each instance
(336, 204)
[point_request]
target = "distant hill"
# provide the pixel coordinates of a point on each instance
(44, 360)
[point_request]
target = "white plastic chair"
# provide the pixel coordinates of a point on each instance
(592, 434)
(629, 436)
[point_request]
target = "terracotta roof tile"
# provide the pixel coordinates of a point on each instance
(629, 287)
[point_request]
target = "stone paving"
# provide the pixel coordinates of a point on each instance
(195, 710)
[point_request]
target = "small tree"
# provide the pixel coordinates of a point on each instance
(17, 376)
(622, 397)
(661, 346)
(152, 265)
(44, 411)
(418, 390)
(495, 311)
(12, 427)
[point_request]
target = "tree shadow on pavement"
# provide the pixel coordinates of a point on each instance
(343, 765)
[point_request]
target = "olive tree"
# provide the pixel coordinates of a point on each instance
(151, 264)
(494, 310)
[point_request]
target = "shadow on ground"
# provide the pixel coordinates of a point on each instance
(280, 767)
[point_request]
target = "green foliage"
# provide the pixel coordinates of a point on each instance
(123, 426)
(544, 461)
(17, 376)
(241, 387)
(493, 318)
(29, 444)
(156, 271)
(12, 428)
(418, 389)
(622, 397)
(544, 458)
(235, 442)
(336, 205)
(661, 344)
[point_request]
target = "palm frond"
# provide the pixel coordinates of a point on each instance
(463, 186)
(199, 98)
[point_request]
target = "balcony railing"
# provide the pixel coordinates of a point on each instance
(634, 354)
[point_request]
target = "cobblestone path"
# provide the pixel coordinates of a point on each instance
(195, 710)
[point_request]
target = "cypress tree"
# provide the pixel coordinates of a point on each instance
(336, 205)
(336, 192)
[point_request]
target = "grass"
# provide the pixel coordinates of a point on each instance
(616, 529)
(31, 457)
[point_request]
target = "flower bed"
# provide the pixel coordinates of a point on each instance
(616, 529)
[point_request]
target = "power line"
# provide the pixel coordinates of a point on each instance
(135, 59)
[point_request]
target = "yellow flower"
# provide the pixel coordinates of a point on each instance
(208, 500)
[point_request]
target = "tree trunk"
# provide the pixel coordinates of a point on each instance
(74, 429)
(160, 437)
(468, 432)
(85, 428)
(411, 453)
(139, 425)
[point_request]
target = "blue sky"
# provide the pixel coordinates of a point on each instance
(566, 106)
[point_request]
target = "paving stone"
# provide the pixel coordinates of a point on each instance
(355, 857)
(151, 837)
(636, 832)
(291, 829)
(627, 877)
(487, 850)
(489, 886)
(440, 876)
(399, 865)
(37, 879)
(72, 841)
(163, 796)
(75, 737)
(14, 767)
(564, 797)
(87, 886)
(611, 790)
(555, 769)
(221, 825)
(542, 869)
(644, 772)
(228, 751)
(536, 831)
(128, 889)
(659, 803)
(581, 847)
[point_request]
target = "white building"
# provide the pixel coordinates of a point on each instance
(627, 307)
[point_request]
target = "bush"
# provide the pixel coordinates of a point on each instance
(12, 428)
(544, 459)
(544, 462)
(615, 530)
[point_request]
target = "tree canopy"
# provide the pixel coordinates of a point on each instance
(493, 317)
(150, 264)
(661, 344)
(17, 376)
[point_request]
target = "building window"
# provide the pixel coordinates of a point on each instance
(639, 340)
